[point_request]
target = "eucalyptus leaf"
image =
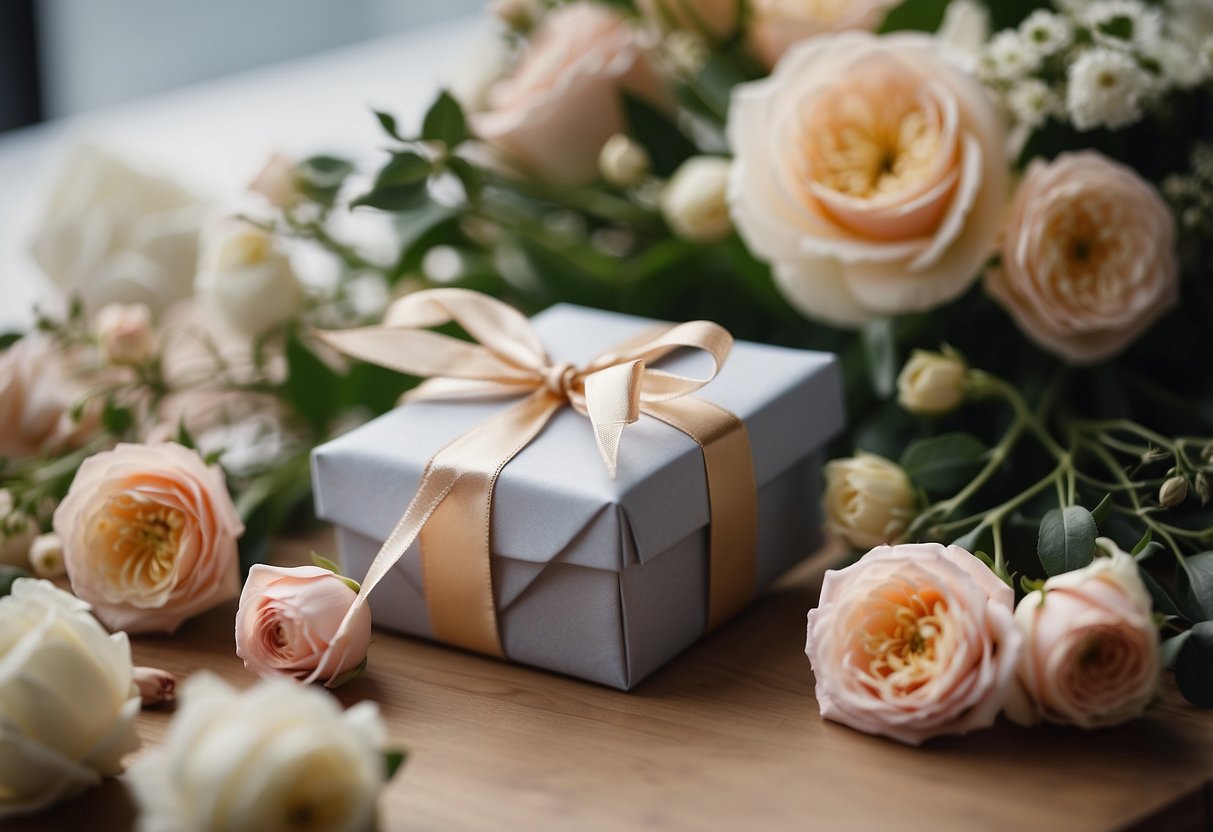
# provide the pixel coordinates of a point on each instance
(944, 463)
(1168, 651)
(1194, 666)
(445, 122)
(1196, 586)
(1163, 602)
(1100, 512)
(1067, 540)
(974, 539)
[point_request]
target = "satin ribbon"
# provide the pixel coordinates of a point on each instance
(452, 508)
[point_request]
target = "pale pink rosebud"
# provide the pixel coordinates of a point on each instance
(124, 331)
(155, 685)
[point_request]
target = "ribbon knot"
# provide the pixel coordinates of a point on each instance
(560, 380)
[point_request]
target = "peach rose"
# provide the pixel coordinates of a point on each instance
(713, 18)
(149, 536)
(1088, 257)
(913, 641)
(1091, 655)
(287, 621)
(40, 382)
(555, 111)
(870, 172)
(777, 24)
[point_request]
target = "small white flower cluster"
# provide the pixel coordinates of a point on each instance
(1096, 63)
(1191, 193)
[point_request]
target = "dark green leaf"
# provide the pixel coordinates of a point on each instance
(388, 122)
(445, 122)
(393, 760)
(310, 384)
(1196, 586)
(469, 176)
(184, 437)
(8, 574)
(921, 15)
(1194, 666)
(1143, 543)
(321, 177)
(1101, 511)
(1168, 651)
(1163, 602)
(1067, 540)
(661, 138)
(943, 464)
(880, 352)
(712, 89)
(407, 168)
(8, 339)
(400, 185)
(975, 539)
(117, 420)
(394, 198)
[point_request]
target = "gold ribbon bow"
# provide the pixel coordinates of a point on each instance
(451, 510)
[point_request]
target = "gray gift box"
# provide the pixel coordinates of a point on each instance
(597, 578)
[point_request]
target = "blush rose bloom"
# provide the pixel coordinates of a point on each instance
(1091, 653)
(149, 536)
(276, 756)
(777, 24)
(287, 621)
(1088, 257)
(554, 112)
(870, 172)
(40, 383)
(912, 642)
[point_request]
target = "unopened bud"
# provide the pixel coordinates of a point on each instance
(622, 161)
(46, 556)
(155, 685)
(1173, 492)
(932, 382)
(695, 200)
(1204, 488)
(125, 333)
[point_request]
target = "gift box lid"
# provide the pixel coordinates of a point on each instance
(554, 489)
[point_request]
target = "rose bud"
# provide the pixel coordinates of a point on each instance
(124, 331)
(46, 556)
(868, 500)
(1091, 655)
(288, 620)
(622, 161)
(1173, 492)
(694, 201)
(278, 182)
(155, 685)
(932, 383)
(245, 280)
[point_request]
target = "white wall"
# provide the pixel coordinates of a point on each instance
(100, 52)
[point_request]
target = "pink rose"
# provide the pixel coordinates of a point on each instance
(553, 114)
(870, 172)
(777, 24)
(124, 332)
(1088, 257)
(149, 536)
(288, 619)
(713, 18)
(40, 382)
(913, 641)
(1091, 655)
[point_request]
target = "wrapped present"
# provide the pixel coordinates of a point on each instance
(533, 531)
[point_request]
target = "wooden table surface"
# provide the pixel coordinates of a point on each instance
(726, 737)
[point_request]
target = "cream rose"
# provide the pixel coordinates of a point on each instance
(111, 233)
(149, 536)
(716, 19)
(870, 173)
(1088, 257)
(913, 641)
(554, 112)
(932, 382)
(245, 280)
(694, 203)
(40, 384)
(287, 621)
(277, 756)
(1091, 655)
(67, 703)
(868, 501)
(775, 25)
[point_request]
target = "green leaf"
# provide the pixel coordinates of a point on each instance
(1194, 666)
(445, 122)
(945, 463)
(324, 563)
(184, 437)
(469, 176)
(1169, 650)
(667, 146)
(1196, 586)
(395, 198)
(321, 177)
(347, 677)
(8, 574)
(880, 354)
(117, 420)
(400, 184)
(393, 760)
(973, 540)
(920, 15)
(1101, 511)
(1140, 546)
(407, 168)
(8, 339)
(1067, 540)
(1163, 602)
(388, 122)
(310, 384)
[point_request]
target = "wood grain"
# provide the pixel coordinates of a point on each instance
(727, 737)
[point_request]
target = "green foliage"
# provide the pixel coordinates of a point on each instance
(1067, 540)
(1196, 586)
(392, 761)
(920, 15)
(1194, 666)
(657, 134)
(400, 185)
(943, 464)
(8, 574)
(444, 122)
(311, 385)
(321, 177)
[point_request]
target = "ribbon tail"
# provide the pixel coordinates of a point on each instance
(612, 401)
(452, 506)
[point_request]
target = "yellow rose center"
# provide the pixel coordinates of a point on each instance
(901, 640)
(137, 540)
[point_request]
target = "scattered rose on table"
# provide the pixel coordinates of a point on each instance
(868, 501)
(149, 536)
(561, 103)
(1088, 257)
(870, 173)
(288, 619)
(912, 642)
(67, 702)
(1091, 654)
(277, 756)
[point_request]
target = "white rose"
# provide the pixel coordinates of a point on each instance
(869, 500)
(623, 162)
(932, 382)
(67, 702)
(276, 756)
(245, 280)
(694, 202)
(111, 233)
(125, 333)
